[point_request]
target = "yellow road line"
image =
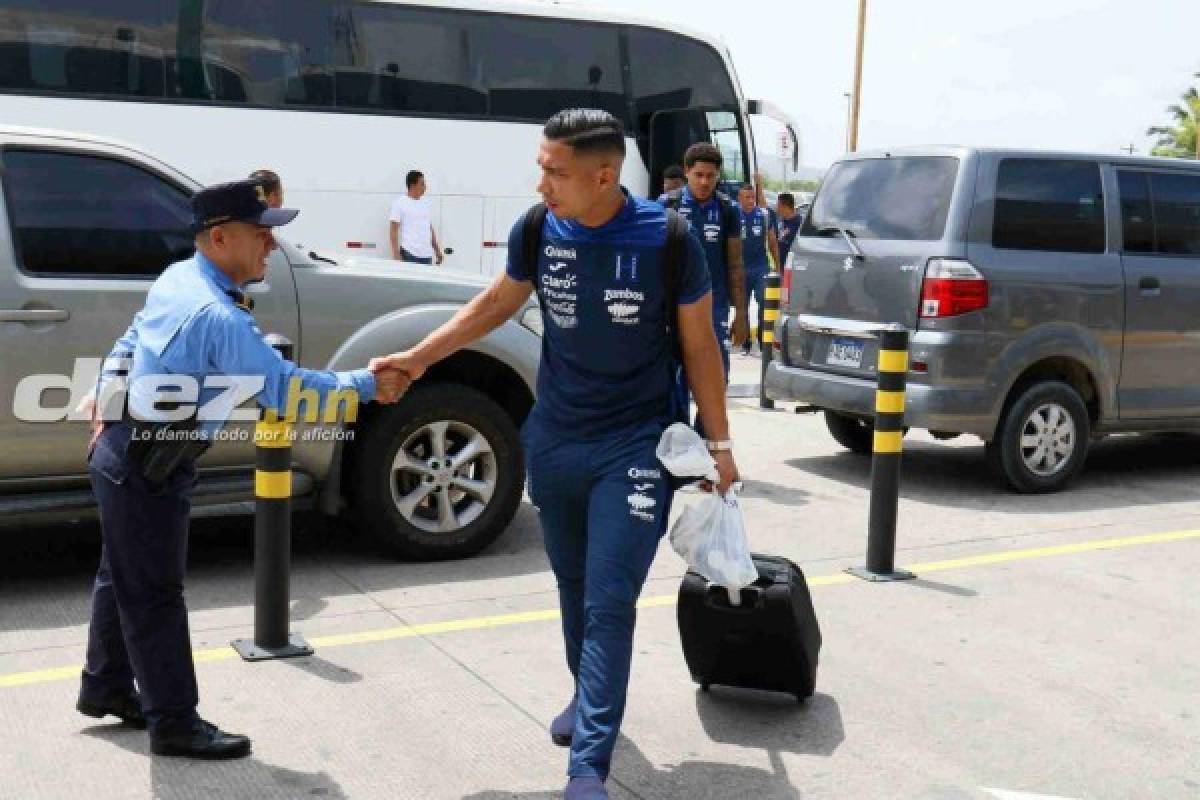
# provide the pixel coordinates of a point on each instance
(505, 620)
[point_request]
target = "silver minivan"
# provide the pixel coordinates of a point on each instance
(1051, 298)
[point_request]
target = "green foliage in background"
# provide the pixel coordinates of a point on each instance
(1181, 140)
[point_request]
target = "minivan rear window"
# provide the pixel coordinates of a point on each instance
(905, 198)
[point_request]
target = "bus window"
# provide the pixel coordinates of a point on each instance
(693, 76)
(532, 68)
(113, 48)
(406, 59)
(281, 50)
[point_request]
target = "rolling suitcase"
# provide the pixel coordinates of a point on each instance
(771, 641)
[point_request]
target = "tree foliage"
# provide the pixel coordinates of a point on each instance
(1182, 139)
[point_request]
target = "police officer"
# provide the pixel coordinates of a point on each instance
(758, 237)
(604, 398)
(196, 323)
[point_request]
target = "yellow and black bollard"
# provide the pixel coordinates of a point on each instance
(766, 335)
(885, 459)
(273, 536)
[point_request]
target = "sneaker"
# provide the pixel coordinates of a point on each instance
(589, 788)
(563, 725)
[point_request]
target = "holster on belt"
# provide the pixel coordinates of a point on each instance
(160, 448)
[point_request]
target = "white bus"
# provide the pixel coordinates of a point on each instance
(343, 97)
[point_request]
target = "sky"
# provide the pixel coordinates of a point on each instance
(1086, 75)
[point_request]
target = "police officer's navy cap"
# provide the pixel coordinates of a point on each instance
(238, 201)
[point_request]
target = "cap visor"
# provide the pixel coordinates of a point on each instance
(276, 216)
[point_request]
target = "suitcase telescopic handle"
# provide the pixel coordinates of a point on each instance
(752, 598)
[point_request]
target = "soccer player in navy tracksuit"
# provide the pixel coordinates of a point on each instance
(715, 223)
(758, 236)
(789, 225)
(604, 398)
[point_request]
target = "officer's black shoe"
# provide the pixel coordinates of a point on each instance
(125, 706)
(203, 740)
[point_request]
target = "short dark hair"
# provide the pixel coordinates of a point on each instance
(703, 151)
(787, 199)
(587, 130)
(412, 178)
(745, 187)
(674, 171)
(268, 180)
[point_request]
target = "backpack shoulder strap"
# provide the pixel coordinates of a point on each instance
(531, 243)
(531, 236)
(674, 253)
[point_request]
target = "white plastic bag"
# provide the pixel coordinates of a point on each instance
(682, 452)
(711, 535)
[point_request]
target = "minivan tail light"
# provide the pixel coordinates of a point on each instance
(785, 288)
(952, 287)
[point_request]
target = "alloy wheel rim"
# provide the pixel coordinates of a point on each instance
(443, 476)
(1047, 440)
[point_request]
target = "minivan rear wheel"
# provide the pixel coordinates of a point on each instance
(1042, 439)
(853, 433)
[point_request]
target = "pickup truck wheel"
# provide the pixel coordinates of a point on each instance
(1042, 439)
(439, 475)
(852, 433)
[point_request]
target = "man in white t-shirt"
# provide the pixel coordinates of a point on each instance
(412, 234)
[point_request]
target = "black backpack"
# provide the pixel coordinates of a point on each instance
(674, 252)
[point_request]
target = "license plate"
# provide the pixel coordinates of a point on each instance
(845, 353)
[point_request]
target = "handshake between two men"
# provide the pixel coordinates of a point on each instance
(394, 374)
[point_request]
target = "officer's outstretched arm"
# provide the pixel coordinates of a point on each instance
(706, 378)
(236, 348)
(487, 311)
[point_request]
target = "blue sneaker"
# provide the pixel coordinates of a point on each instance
(563, 725)
(590, 788)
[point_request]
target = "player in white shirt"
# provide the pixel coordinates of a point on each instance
(412, 235)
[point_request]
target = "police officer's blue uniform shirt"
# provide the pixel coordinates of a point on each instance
(606, 359)
(754, 241)
(714, 229)
(191, 326)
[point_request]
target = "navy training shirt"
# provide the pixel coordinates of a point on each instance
(713, 223)
(606, 359)
(788, 228)
(754, 240)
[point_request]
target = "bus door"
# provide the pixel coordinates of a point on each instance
(673, 131)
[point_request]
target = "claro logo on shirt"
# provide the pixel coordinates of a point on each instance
(712, 233)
